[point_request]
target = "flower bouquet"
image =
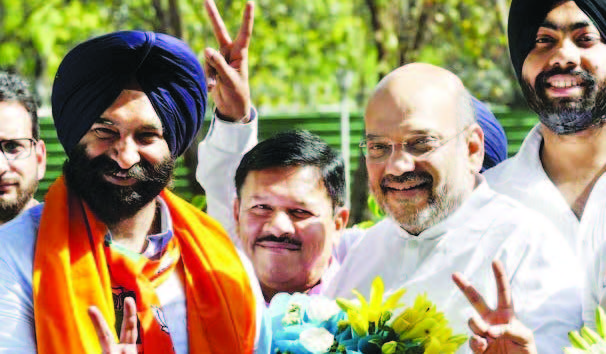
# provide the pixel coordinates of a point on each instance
(587, 340)
(305, 324)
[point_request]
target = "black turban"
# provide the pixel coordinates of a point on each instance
(94, 73)
(526, 16)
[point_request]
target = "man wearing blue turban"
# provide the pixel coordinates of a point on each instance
(125, 106)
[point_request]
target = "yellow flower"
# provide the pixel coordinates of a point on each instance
(373, 311)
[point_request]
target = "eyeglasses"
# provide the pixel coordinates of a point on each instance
(419, 146)
(16, 149)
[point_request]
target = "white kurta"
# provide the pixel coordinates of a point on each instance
(523, 178)
(595, 289)
(542, 270)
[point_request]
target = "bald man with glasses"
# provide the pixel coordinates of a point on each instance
(424, 150)
(23, 154)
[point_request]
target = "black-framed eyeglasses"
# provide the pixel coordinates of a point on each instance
(378, 150)
(16, 149)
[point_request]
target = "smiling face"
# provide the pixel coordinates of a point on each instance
(18, 178)
(122, 162)
(411, 106)
(564, 78)
(288, 227)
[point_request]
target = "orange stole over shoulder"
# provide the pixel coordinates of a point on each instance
(72, 272)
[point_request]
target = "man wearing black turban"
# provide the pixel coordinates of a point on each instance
(125, 106)
(558, 52)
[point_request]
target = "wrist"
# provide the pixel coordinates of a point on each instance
(244, 119)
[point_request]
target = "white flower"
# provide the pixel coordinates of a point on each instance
(316, 340)
(321, 309)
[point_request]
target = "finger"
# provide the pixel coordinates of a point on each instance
(473, 296)
(104, 333)
(504, 301)
(128, 334)
(224, 72)
(248, 19)
(218, 25)
(478, 326)
(478, 344)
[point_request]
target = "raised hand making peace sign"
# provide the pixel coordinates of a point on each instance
(128, 333)
(227, 69)
(496, 330)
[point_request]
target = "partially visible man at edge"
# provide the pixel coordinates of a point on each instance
(558, 51)
(22, 153)
(125, 106)
(423, 161)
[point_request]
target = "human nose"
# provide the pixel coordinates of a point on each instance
(280, 224)
(566, 55)
(399, 161)
(126, 153)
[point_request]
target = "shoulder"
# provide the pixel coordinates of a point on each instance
(19, 236)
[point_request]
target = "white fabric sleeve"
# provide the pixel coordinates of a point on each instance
(219, 155)
(546, 281)
(17, 334)
(263, 326)
(593, 293)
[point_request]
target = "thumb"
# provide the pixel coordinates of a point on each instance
(514, 331)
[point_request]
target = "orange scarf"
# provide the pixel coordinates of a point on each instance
(74, 269)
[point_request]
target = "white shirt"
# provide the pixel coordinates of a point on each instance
(523, 178)
(543, 273)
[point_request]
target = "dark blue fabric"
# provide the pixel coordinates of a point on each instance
(93, 74)
(526, 16)
(495, 140)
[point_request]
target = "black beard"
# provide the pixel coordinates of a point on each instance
(565, 115)
(112, 203)
(9, 210)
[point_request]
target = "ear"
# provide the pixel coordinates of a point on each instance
(41, 159)
(236, 210)
(341, 218)
(475, 148)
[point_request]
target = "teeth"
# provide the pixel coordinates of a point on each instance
(563, 83)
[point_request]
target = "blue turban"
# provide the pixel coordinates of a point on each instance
(495, 141)
(94, 73)
(526, 16)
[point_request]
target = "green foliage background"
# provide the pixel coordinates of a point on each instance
(298, 46)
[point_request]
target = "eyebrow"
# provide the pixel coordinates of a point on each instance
(104, 121)
(412, 133)
(144, 127)
(572, 27)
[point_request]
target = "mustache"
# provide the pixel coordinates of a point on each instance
(422, 177)
(274, 238)
(585, 78)
(141, 171)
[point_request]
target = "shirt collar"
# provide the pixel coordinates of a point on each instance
(156, 243)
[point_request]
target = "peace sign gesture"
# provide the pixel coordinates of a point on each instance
(128, 334)
(496, 330)
(227, 69)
